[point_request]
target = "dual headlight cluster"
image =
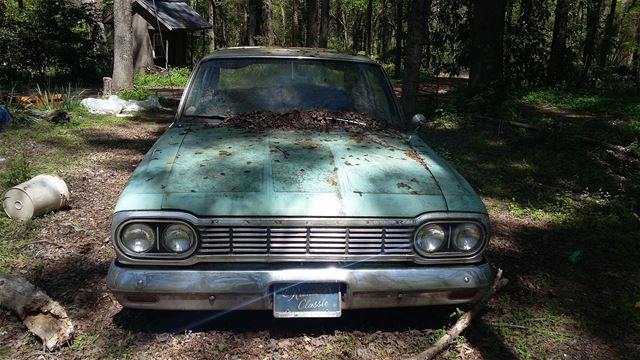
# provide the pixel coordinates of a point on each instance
(172, 238)
(435, 239)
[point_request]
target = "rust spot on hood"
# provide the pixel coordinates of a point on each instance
(415, 156)
(402, 185)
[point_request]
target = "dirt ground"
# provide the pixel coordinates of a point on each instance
(71, 253)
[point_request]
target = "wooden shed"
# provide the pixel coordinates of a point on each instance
(164, 33)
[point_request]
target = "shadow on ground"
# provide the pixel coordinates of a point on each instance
(564, 232)
(151, 321)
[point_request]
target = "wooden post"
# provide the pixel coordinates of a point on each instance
(107, 86)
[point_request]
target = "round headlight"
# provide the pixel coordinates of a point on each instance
(138, 238)
(467, 237)
(178, 238)
(430, 238)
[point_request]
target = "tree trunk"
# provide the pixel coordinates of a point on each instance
(312, 24)
(324, 23)
(243, 31)
(295, 23)
(223, 24)
(341, 23)
(20, 4)
(122, 45)
(607, 39)
(266, 28)
(594, 8)
(345, 30)
(384, 29)
(557, 59)
(418, 17)
(356, 33)
(253, 12)
(487, 30)
(399, 36)
(212, 21)
(636, 56)
(369, 21)
(41, 315)
(283, 16)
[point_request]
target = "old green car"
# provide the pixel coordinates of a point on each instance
(285, 184)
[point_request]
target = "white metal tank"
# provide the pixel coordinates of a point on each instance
(40, 195)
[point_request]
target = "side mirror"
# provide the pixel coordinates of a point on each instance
(418, 120)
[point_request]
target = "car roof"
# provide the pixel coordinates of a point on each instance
(275, 52)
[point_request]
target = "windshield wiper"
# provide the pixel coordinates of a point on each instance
(348, 121)
(210, 117)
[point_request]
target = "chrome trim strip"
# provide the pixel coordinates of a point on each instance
(250, 288)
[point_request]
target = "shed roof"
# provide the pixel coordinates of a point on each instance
(174, 14)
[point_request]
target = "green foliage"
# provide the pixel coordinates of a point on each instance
(447, 119)
(560, 208)
(50, 40)
(450, 48)
(526, 42)
(17, 171)
(134, 93)
(456, 313)
(82, 342)
(626, 106)
(173, 77)
(4, 352)
(13, 234)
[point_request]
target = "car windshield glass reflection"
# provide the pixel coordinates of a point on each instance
(225, 87)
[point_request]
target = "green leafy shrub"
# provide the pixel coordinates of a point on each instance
(134, 93)
(173, 77)
(17, 171)
(49, 41)
(447, 119)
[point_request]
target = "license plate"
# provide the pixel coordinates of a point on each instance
(306, 300)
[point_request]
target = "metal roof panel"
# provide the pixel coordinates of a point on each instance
(276, 52)
(175, 14)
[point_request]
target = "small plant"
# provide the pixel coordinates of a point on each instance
(456, 313)
(134, 93)
(17, 171)
(436, 335)
(82, 341)
(71, 101)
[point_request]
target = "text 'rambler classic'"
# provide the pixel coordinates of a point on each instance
(284, 185)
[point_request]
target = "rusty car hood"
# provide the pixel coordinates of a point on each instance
(220, 171)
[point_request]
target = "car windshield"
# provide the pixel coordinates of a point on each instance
(222, 88)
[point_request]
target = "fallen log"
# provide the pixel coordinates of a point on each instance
(463, 322)
(56, 116)
(39, 313)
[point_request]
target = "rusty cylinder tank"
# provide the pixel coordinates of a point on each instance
(40, 195)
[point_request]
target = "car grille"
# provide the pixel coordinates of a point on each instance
(306, 241)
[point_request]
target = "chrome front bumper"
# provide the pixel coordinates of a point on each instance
(216, 288)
